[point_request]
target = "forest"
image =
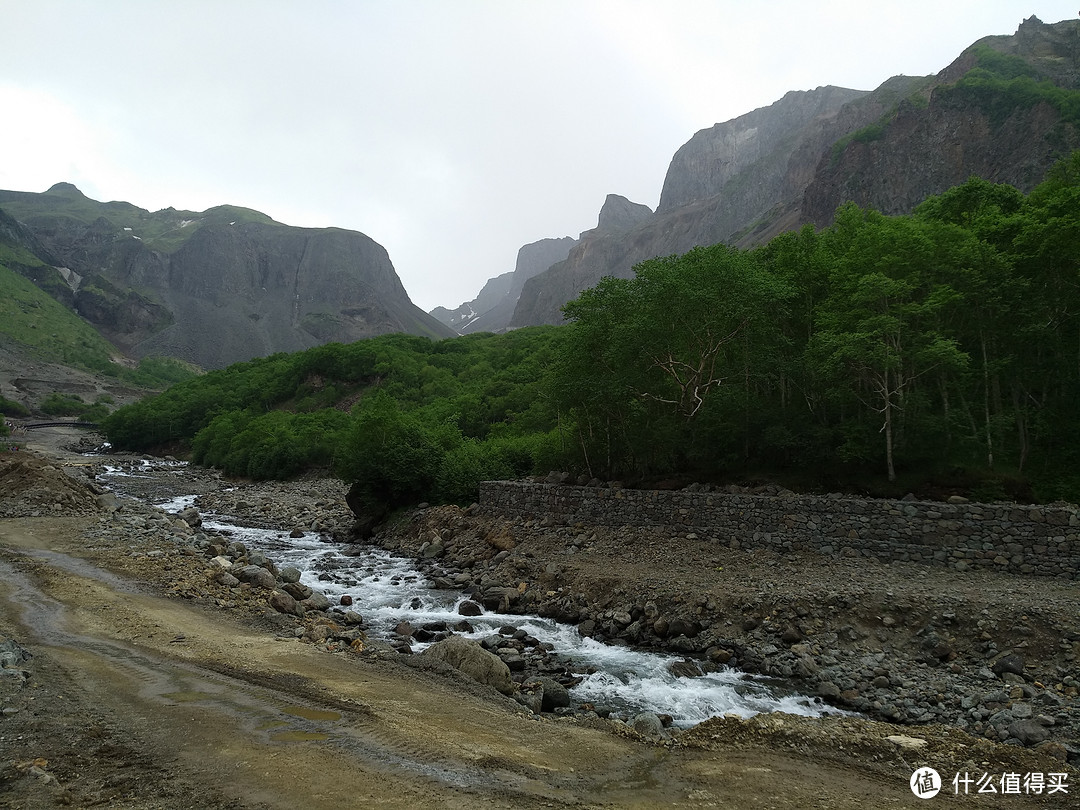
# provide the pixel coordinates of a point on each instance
(938, 351)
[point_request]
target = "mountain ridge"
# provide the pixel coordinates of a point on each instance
(213, 287)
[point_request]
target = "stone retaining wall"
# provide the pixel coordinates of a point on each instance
(1034, 540)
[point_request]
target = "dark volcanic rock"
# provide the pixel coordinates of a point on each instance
(927, 147)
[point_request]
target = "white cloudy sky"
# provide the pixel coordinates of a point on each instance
(450, 131)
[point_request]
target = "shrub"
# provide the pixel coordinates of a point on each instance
(9, 407)
(56, 404)
(464, 467)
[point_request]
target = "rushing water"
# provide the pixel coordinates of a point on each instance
(386, 590)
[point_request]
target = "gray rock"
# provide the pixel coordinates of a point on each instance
(1029, 732)
(648, 725)
(554, 694)
(531, 699)
(317, 601)
(283, 603)
(828, 690)
(289, 574)
(12, 654)
(226, 579)
(512, 658)
(256, 576)
(471, 659)
(351, 617)
(1022, 711)
(1010, 662)
(470, 608)
(680, 626)
(297, 591)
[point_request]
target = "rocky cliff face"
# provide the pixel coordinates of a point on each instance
(720, 182)
(493, 308)
(794, 162)
(1005, 132)
(220, 286)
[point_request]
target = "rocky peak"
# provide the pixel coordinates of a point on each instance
(215, 287)
(65, 190)
(960, 128)
(619, 214)
(719, 183)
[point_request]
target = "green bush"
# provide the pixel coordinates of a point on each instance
(56, 404)
(95, 413)
(465, 466)
(391, 457)
(9, 407)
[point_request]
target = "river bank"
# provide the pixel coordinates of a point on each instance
(741, 605)
(992, 654)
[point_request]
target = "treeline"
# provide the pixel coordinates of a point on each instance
(883, 352)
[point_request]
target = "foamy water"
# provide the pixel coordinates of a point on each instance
(387, 590)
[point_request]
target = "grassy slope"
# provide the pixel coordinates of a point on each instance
(33, 318)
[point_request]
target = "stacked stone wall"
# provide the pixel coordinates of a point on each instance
(1022, 539)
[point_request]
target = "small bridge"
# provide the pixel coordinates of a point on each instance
(59, 424)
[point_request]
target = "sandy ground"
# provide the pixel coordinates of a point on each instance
(135, 699)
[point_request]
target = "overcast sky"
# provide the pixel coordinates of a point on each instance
(450, 131)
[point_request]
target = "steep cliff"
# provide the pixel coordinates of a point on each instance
(1005, 110)
(219, 286)
(493, 307)
(720, 182)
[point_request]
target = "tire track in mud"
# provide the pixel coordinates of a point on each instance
(274, 708)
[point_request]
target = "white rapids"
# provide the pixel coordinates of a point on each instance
(386, 590)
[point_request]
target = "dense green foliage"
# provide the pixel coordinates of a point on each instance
(941, 344)
(1001, 83)
(62, 404)
(9, 407)
(33, 318)
(56, 404)
(880, 353)
(428, 419)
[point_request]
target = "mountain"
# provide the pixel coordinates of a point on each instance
(493, 307)
(717, 183)
(212, 287)
(1005, 110)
